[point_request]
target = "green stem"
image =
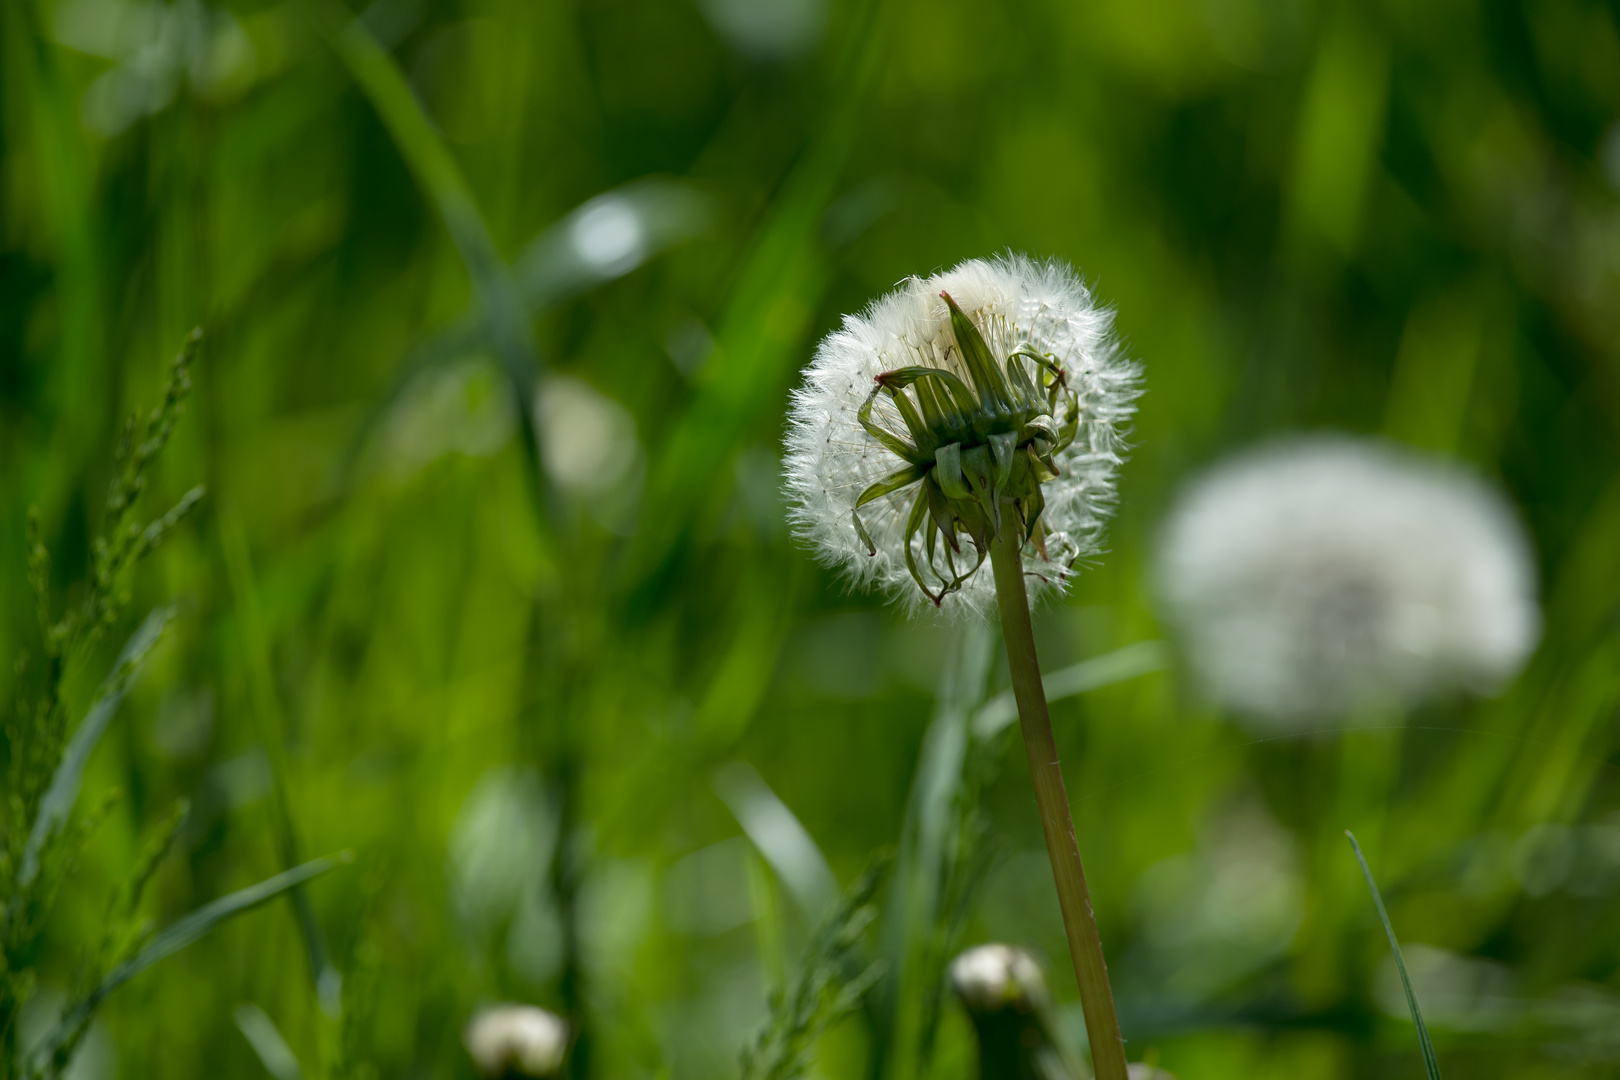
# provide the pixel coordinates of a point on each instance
(1085, 947)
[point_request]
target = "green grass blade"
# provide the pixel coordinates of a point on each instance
(435, 169)
(177, 936)
(1429, 1061)
(923, 862)
(261, 1033)
(551, 269)
(431, 162)
(656, 214)
(1141, 658)
(831, 982)
(71, 218)
(759, 331)
(59, 798)
(780, 837)
(271, 727)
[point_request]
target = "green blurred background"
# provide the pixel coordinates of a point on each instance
(520, 692)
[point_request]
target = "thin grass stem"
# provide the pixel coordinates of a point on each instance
(1429, 1062)
(1079, 924)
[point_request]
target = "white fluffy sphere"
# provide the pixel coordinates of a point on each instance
(1328, 577)
(1013, 301)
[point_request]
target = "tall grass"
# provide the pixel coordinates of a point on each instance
(391, 605)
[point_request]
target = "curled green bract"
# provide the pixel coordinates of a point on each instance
(977, 454)
(988, 397)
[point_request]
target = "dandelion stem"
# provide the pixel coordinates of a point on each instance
(1085, 947)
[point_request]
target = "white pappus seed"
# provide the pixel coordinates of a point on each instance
(1016, 303)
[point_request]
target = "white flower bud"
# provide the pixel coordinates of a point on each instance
(1140, 1071)
(990, 978)
(521, 1039)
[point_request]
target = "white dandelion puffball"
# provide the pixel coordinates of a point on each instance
(921, 431)
(990, 978)
(522, 1039)
(1332, 577)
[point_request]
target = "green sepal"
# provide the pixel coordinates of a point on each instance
(1041, 426)
(957, 402)
(1046, 468)
(921, 436)
(979, 360)
(914, 521)
(860, 530)
(972, 519)
(1071, 425)
(1021, 477)
(1048, 363)
(948, 470)
(1056, 383)
(980, 473)
(1002, 447)
(1018, 378)
(889, 484)
(932, 410)
(957, 577)
(892, 442)
(900, 378)
(941, 511)
(976, 467)
(931, 532)
(1034, 506)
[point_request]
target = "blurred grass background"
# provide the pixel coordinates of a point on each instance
(512, 657)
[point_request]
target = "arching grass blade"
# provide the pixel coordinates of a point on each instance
(172, 939)
(1429, 1061)
(64, 790)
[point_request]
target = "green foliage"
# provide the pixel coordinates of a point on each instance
(404, 626)
(43, 839)
(831, 982)
(144, 950)
(1429, 1063)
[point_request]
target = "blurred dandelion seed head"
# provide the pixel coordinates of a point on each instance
(990, 978)
(1011, 416)
(1328, 577)
(522, 1039)
(589, 439)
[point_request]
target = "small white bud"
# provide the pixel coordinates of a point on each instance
(522, 1039)
(1142, 1071)
(990, 978)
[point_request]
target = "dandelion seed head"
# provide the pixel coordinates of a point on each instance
(990, 978)
(522, 1040)
(1014, 302)
(1328, 577)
